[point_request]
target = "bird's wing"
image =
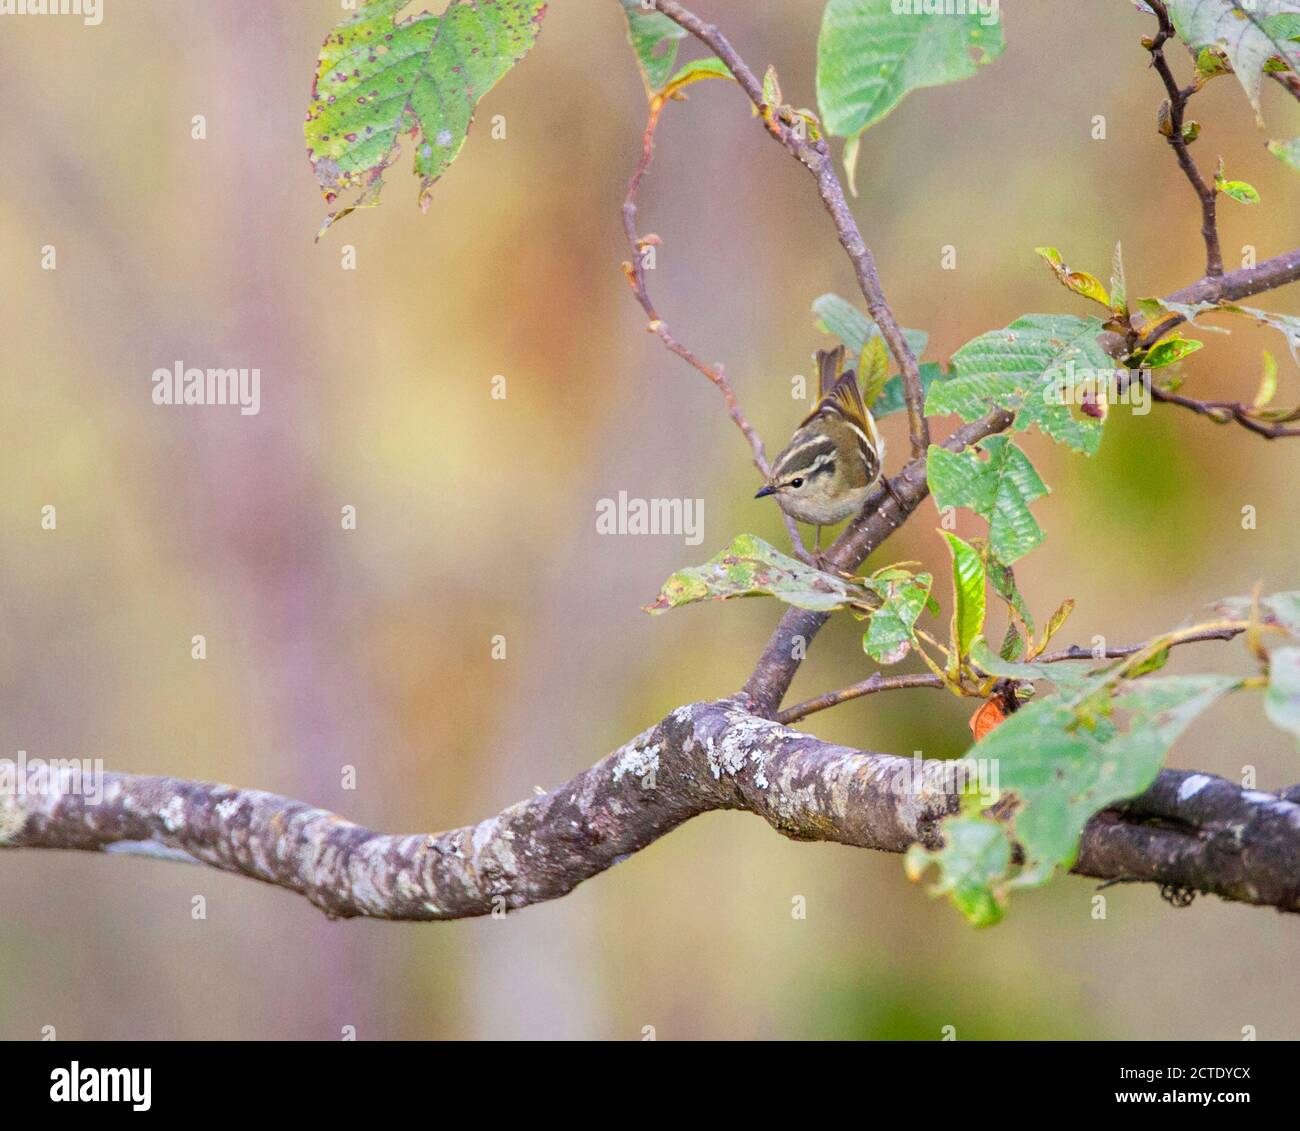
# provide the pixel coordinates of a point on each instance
(842, 396)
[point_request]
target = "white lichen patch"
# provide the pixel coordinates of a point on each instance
(1274, 804)
(483, 834)
(227, 808)
(638, 761)
(172, 815)
(12, 819)
(791, 802)
(493, 848)
(740, 744)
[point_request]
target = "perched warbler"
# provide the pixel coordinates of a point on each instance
(835, 456)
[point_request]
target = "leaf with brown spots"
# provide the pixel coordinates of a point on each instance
(378, 78)
(750, 567)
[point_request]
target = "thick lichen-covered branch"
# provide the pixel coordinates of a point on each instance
(1191, 831)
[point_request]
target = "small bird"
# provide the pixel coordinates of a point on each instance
(834, 458)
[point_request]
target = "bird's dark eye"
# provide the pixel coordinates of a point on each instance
(796, 482)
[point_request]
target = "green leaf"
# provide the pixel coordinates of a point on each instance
(1287, 151)
(1059, 761)
(1080, 282)
(969, 596)
(1191, 311)
(1013, 644)
(894, 398)
(750, 567)
(1238, 190)
(873, 369)
(999, 489)
(839, 317)
(1282, 700)
(1211, 62)
(1031, 368)
(1248, 34)
(1061, 770)
(1267, 383)
(1067, 675)
(890, 635)
(869, 56)
(695, 71)
(1152, 663)
(852, 148)
(1169, 351)
(974, 859)
(1057, 621)
(843, 320)
(377, 79)
(1004, 584)
(655, 39)
(771, 89)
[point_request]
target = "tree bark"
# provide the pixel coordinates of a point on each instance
(1191, 831)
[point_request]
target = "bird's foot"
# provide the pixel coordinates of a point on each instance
(889, 490)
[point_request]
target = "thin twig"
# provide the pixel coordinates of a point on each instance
(1267, 276)
(1075, 652)
(1178, 98)
(1227, 412)
(1272, 273)
(636, 276)
(816, 157)
(879, 682)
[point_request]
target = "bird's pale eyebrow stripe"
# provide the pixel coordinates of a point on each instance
(825, 465)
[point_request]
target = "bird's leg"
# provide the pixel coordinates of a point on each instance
(823, 563)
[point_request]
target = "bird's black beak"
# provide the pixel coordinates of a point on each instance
(764, 492)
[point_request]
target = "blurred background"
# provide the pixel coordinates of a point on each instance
(372, 648)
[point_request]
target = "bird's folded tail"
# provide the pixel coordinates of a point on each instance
(839, 392)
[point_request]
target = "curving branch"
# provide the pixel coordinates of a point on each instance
(1267, 276)
(1190, 831)
(815, 156)
(635, 270)
(636, 275)
(1172, 121)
